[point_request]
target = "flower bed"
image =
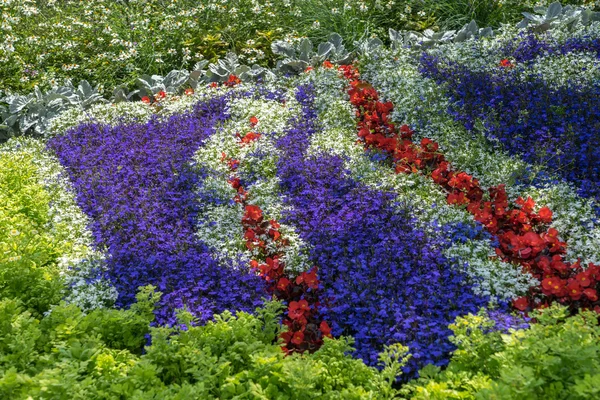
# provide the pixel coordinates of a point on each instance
(370, 230)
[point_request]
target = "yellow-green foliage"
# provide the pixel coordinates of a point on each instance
(70, 355)
(29, 247)
(556, 358)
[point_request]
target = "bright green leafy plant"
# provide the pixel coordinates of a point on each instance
(555, 358)
(28, 248)
(68, 354)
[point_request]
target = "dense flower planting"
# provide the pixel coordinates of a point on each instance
(522, 233)
(382, 280)
(132, 180)
(419, 223)
(306, 328)
(544, 123)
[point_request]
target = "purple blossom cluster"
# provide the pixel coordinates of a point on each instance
(553, 126)
(504, 321)
(528, 46)
(137, 185)
(383, 280)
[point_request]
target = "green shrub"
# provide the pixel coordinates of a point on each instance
(453, 14)
(70, 355)
(29, 247)
(556, 358)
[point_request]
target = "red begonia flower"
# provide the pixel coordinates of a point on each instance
(253, 212)
(297, 338)
(574, 290)
(545, 215)
(522, 303)
(325, 329)
(283, 283)
(591, 294)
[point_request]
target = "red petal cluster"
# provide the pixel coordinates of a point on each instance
(232, 81)
(249, 137)
(306, 329)
(506, 63)
(523, 234)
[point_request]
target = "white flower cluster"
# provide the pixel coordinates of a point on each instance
(562, 70)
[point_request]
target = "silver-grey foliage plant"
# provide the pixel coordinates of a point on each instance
(543, 19)
(32, 113)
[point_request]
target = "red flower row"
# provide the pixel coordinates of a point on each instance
(301, 293)
(161, 95)
(523, 234)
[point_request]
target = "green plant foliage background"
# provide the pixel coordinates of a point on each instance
(113, 42)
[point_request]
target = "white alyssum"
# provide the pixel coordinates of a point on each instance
(220, 224)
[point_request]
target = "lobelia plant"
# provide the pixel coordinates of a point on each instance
(149, 234)
(378, 272)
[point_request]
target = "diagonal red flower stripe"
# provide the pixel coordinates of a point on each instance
(523, 234)
(306, 328)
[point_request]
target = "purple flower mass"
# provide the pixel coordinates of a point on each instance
(553, 126)
(136, 184)
(383, 280)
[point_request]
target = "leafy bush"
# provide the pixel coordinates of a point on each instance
(556, 358)
(452, 14)
(70, 355)
(54, 40)
(29, 244)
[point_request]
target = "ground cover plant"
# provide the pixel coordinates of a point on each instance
(414, 217)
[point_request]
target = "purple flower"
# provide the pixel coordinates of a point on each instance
(384, 280)
(136, 184)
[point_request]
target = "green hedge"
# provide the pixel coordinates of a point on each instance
(70, 355)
